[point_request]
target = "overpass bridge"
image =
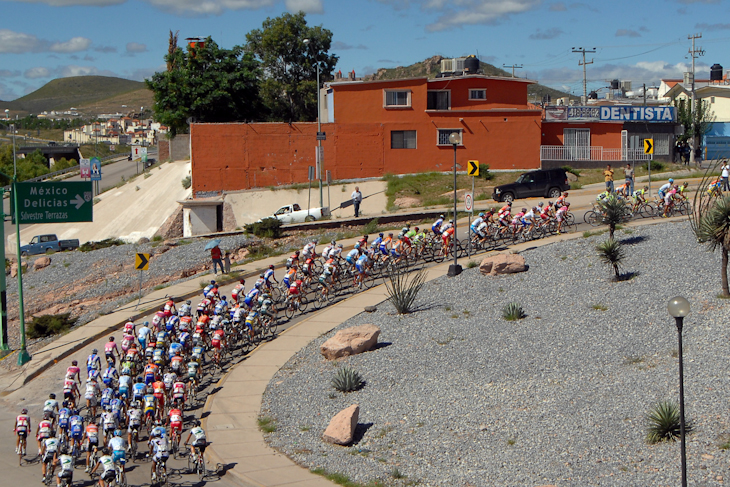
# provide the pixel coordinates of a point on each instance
(52, 152)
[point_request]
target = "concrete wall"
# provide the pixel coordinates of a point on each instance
(200, 220)
(180, 147)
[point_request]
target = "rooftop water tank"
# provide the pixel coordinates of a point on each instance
(471, 65)
(716, 72)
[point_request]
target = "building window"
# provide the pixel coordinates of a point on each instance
(438, 100)
(661, 144)
(397, 98)
(477, 94)
(443, 136)
(712, 99)
(403, 139)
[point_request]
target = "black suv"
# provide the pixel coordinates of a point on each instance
(547, 183)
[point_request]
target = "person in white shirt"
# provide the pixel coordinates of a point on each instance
(724, 175)
(356, 200)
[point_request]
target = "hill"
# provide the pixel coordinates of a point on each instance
(432, 66)
(78, 92)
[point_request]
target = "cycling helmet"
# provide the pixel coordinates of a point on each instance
(332, 242)
(357, 245)
(550, 203)
(671, 180)
(339, 245)
(272, 265)
(390, 234)
(540, 204)
(111, 339)
(567, 203)
(416, 229)
(117, 433)
(261, 275)
(296, 252)
(46, 415)
(441, 216)
(65, 404)
(108, 409)
(451, 221)
(74, 363)
(94, 351)
(146, 323)
(381, 234)
(524, 210)
(196, 422)
(223, 298)
(52, 395)
(23, 411)
(481, 213)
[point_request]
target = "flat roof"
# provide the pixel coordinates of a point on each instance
(433, 80)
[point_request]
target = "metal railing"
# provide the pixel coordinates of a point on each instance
(61, 172)
(592, 153)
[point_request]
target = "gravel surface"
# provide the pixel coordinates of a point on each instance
(455, 395)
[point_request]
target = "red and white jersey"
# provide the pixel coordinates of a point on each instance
(158, 387)
(72, 371)
(178, 388)
(22, 423)
(176, 416)
(44, 427)
(92, 431)
(68, 385)
(129, 328)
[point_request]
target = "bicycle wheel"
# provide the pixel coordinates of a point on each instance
(289, 311)
(303, 305)
(192, 464)
(592, 218)
(683, 208)
(570, 219)
(122, 481)
(273, 324)
(320, 300)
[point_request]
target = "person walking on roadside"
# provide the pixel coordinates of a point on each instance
(725, 173)
(215, 255)
(356, 200)
(629, 175)
(608, 176)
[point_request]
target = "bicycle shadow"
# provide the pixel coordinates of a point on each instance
(634, 240)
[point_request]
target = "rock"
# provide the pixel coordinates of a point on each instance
(169, 243)
(502, 264)
(143, 240)
(571, 177)
(341, 429)
(371, 309)
(14, 269)
(41, 262)
(350, 341)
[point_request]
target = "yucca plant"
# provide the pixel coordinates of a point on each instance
(612, 253)
(613, 212)
(513, 312)
(347, 380)
(713, 228)
(662, 423)
(403, 289)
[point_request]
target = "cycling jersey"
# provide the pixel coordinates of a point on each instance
(22, 423)
(63, 415)
(93, 362)
(149, 403)
(199, 435)
(135, 417)
(193, 369)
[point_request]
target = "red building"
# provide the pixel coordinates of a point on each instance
(377, 127)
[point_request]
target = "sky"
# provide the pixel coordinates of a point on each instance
(642, 41)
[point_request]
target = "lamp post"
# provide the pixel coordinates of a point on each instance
(320, 160)
(679, 308)
(455, 268)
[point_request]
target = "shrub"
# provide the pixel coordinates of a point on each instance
(662, 423)
(655, 166)
(48, 325)
(186, 182)
(484, 172)
(402, 291)
(101, 244)
(266, 424)
(347, 380)
(268, 227)
(572, 171)
(612, 253)
(371, 227)
(513, 312)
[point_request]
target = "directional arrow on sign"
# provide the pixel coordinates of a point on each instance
(141, 261)
(78, 201)
(648, 146)
(473, 169)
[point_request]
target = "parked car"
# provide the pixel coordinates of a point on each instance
(40, 244)
(294, 214)
(547, 183)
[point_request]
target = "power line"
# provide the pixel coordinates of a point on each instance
(514, 66)
(583, 63)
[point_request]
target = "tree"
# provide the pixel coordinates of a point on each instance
(712, 226)
(30, 166)
(695, 124)
(612, 253)
(207, 83)
(289, 86)
(613, 212)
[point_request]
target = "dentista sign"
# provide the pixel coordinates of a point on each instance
(641, 114)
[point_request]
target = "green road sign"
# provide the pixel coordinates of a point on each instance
(55, 202)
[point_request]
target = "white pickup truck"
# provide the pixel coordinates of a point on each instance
(295, 214)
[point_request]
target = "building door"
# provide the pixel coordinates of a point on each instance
(577, 143)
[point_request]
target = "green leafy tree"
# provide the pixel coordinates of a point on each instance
(289, 85)
(30, 166)
(207, 83)
(695, 124)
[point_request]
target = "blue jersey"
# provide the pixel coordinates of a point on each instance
(174, 348)
(376, 243)
(76, 424)
(268, 274)
(437, 224)
(63, 415)
(138, 390)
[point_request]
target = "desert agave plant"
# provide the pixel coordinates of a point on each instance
(513, 312)
(662, 423)
(347, 380)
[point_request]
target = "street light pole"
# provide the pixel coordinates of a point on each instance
(455, 268)
(23, 356)
(679, 308)
(320, 159)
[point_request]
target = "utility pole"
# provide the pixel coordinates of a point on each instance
(695, 53)
(514, 66)
(583, 63)
(644, 94)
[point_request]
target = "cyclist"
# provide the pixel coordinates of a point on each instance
(221, 307)
(51, 406)
(63, 416)
(66, 462)
(177, 361)
(45, 427)
(290, 276)
(477, 221)
(151, 371)
(193, 366)
(266, 305)
(199, 442)
(682, 189)
(185, 309)
(93, 362)
(74, 372)
(21, 428)
(293, 260)
(127, 341)
(118, 447)
(169, 308)
(149, 406)
(175, 418)
(209, 289)
(138, 389)
(218, 341)
(158, 452)
(106, 462)
(178, 393)
(601, 196)
(129, 327)
(76, 427)
(142, 334)
(239, 290)
(109, 421)
(48, 453)
(353, 255)
(560, 202)
(110, 377)
(447, 231)
(92, 441)
(560, 215)
(669, 200)
(111, 351)
(294, 291)
(362, 264)
(125, 382)
(503, 216)
(529, 219)
(251, 297)
(664, 188)
(134, 416)
(517, 221)
(639, 196)
(436, 226)
(269, 275)
(158, 388)
(327, 249)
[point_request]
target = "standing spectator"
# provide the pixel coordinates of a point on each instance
(724, 175)
(227, 262)
(356, 200)
(629, 174)
(215, 254)
(608, 176)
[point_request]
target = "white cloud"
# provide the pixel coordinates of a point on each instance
(75, 44)
(470, 12)
(558, 7)
(19, 43)
(39, 72)
(342, 46)
(306, 6)
(627, 33)
(209, 7)
(551, 33)
(134, 47)
(6, 73)
(70, 3)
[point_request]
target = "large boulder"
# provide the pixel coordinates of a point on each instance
(341, 429)
(350, 341)
(14, 268)
(41, 262)
(502, 264)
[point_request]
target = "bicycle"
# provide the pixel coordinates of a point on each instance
(93, 460)
(175, 442)
(133, 444)
(120, 477)
(21, 448)
(196, 464)
(49, 470)
(159, 476)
